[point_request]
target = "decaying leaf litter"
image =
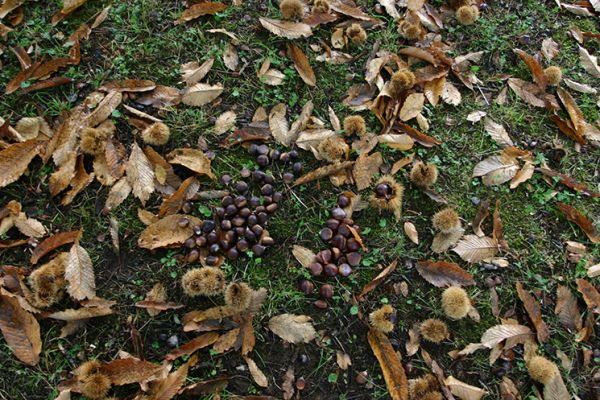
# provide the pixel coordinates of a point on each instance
(83, 149)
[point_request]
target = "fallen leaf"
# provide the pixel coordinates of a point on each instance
(412, 106)
(475, 249)
(498, 133)
(573, 110)
(365, 168)
(14, 160)
(140, 174)
(304, 256)
(567, 310)
(54, 242)
(258, 376)
(193, 346)
(549, 48)
(400, 142)
(535, 67)
(389, 361)
(581, 220)
(580, 87)
(167, 232)
(79, 273)
(577, 10)
(286, 29)
(323, 172)
(201, 93)
(421, 138)
(68, 7)
(125, 371)
(8, 6)
(199, 9)
(353, 12)
(230, 57)
(118, 193)
(192, 159)
(589, 62)
(105, 108)
(413, 344)
(193, 72)
(210, 386)
(390, 8)
(535, 313)
(450, 94)
(411, 232)
(462, 390)
(288, 384)
(270, 76)
(590, 295)
(173, 204)
(443, 274)
(128, 85)
(383, 275)
(566, 128)
(414, 5)
(293, 328)
(301, 64)
(498, 333)
(476, 116)
(278, 124)
(302, 121)
(526, 91)
(483, 211)
(167, 388)
(21, 330)
(508, 389)
(343, 360)
(523, 175)
(225, 122)
(29, 227)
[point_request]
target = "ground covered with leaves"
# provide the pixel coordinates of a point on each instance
(322, 200)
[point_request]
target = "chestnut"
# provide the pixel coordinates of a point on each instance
(335, 253)
(297, 167)
(343, 201)
(238, 221)
(211, 260)
(226, 224)
(339, 241)
(241, 187)
(262, 160)
(197, 230)
(193, 256)
(307, 287)
(316, 269)
(252, 219)
(338, 213)
(190, 243)
(225, 179)
(262, 218)
(326, 234)
(253, 149)
(383, 190)
(242, 245)
(183, 222)
(330, 270)
(186, 207)
(272, 207)
(344, 231)
(324, 256)
(230, 236)
(232, 253)
(326, 291)
(254, 201)
(208, 226)
(288, 178)
(244, 212)
(258, 175)
(344, 269)
(267, 241)
(230, 210)
(257, 229)
(227, 200)
(224, 244)
(263, 149)
(294, 154)
(214, 248)
(249, 235)
(332, 224)
(220, 212)
(284, 157)
(245, 173)
(211, 237)
(277, 196)
(270, 179)
(353, 259)
(201, 241)
(258, 250)
(274, 154)
(322, 304)
(266, 190)
(240, 201)
(352, 245)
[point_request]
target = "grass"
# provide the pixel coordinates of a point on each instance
(139, 40)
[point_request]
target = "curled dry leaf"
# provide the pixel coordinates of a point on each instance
(270, 76)
(129, 85)
(199, 9)
(225, 122)
(569, 182)
(389, 361)
(301, 64)
(534, 66)
(192, 72)
(567, 310)
(124, 371)
(475, 249)
(20, 329)
(118, 193)
(498, 333)
(192, 159)
(590, 295)
(410, 230)
(230, 57)
(54, 242)
(293, 328)
(193, 346)
(589, 62)
(304, 256)
(581, 220)
(412, 106)
(556, 389)
(573, 110)
(258, 376)
(167, 232)
(81, 313)
(167, 388)
(173, 204)
(462, 390)
(279, 125)
(442, 273)
(140, 174)
(286, 29)
(498, 133)
(201, 93)
(323, 172)
(79, 273)
(15, 158)
(365, 168)
(450, 94)
(535, 313)
(378, 279)
(523, 175)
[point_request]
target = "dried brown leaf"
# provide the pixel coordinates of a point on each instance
(79, 273)
(498, 133)
(475, 249)
(304, 256)
(193, 346)
(231, 58)
(301, 64)
(293, 328)
(410, 230)
(442, 273)
(567, 310)
(535, 313)
(389, 361)
(378, 279)
(201, 93)
(14, 160)
(573, 110)
(81, 313)
(534, 66)
(167, 232)
(412, 106)
(323, 172)
(167, 388)
(54, 242)
(286, 29)
(498, 333)
(462, 390)
(20, 329)
(192, 159)
(199, 9)
(589, 62)
(173, 204)
(365, 168)
(225, 122)
(590, 295)
(118, 193)
(278, 124)
(125, 371)
(258, 376)
(581, 220)
(140, 174)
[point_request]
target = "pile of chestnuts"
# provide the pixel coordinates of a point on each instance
(342, 255)
(238, 224)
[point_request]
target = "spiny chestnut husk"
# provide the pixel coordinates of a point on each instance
(467, 15)
(238, 296)
(205, 281)
(291, 9)
(355, 125)
(541, 369)
(423, 385)
(446, 220)
(320, 7)
(553, 75)
(156, 134)
(333, 149)
(95, 386)
(434, 330)
(356, 33)
(424, 175)
(383, 318)
(388, 195)
(455, 302)
(401, 80)
(409, 30)
(48, 282)
(93, 141)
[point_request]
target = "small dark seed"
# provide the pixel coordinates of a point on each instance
(262, 160)
(343, 201)
(190, 243)
(326, 291)
(253, 149)
(331, 270)
(307, 287)
(258, 249)
(277, 196)
(316, 269)
(294, 154)
(326, 234)
(338, 213)
(274, 154)
(322, 304)
(353, 259)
